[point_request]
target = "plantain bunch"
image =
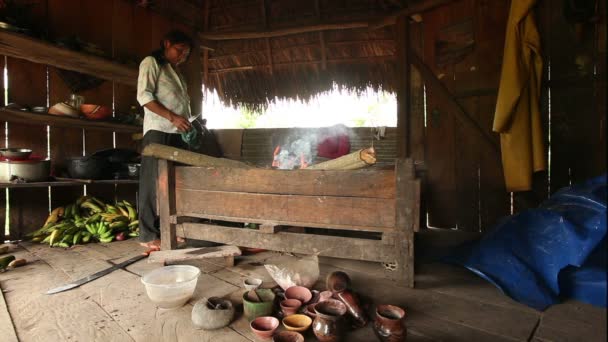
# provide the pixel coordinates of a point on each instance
(88, 220)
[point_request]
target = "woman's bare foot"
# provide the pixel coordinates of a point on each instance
(153, 245)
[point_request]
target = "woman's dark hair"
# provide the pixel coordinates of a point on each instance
(174, 37)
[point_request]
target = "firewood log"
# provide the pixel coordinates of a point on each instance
(189, 158)
(356, 160)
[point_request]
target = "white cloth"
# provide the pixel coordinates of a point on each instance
(165, 85)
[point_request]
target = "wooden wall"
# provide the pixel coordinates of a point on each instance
(465, 186)
(123, 31)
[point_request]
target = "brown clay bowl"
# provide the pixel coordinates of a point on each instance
(390, 312)
(297, 322)
(263, 327)
(325, 295)
(300, 293)
(95, 112)
(288, 336)
(338, 281)
(290, 306)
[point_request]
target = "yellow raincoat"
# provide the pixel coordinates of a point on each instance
(517, 117)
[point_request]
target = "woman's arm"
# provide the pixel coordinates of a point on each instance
(177, 120)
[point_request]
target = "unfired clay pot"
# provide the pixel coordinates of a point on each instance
(213, 313)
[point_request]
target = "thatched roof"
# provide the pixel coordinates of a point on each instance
(254, 70)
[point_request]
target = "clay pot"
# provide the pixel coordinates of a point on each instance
(310, 310)
(288, 336)
(338, 281)
(213, 313)
(353, 306)
(290, 306)
(253, 309)
(297, 322)
(263, 327)
(389, 325)
(300, 293)
(326, 325)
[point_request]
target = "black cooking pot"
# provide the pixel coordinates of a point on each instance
(89, 167)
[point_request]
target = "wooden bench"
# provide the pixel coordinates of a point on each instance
(384, 203)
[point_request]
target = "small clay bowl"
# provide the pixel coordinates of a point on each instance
(288, 336)
(263, 327)
(297, 322)
(300, 293)
(310, 310)
(338, 281)
(290, 306)
(252, 283)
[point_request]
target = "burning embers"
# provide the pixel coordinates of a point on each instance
(297, 155)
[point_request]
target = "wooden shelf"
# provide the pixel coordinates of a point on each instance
(78, 182)
(39, 51)
(18, 116)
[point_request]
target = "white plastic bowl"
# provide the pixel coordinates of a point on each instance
(170, 287)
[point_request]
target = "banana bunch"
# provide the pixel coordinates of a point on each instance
(88, 219)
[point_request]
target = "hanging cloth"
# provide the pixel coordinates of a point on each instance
(517, 116)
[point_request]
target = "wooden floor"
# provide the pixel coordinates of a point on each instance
(449, 304)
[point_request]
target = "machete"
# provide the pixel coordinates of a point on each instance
(94, 276)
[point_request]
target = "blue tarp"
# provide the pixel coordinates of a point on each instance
(540, 256)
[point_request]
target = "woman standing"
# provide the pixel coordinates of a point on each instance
(162, 91)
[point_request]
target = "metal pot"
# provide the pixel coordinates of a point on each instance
(30, 170)
(88, 167)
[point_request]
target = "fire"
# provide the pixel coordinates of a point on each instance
(303, 163)
(275, 160)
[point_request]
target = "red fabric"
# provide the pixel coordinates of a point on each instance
(334, 146)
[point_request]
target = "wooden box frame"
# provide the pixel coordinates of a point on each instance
(384, 201)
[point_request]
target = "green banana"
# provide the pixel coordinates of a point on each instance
(54, 236)
(102, 230)
(132, 213)
(82, 199)
(98, 201)
(118, 225)
(107, 234)
(91, 229)
(86, 237)
(106, 240)
(77, 238)
(90, 205)
(93, 218)
(134, 234)
(134, 224)
(123, 211)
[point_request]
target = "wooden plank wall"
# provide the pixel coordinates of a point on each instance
(123, 31)
(465, 187)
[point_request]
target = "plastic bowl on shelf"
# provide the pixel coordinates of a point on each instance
(171, 287)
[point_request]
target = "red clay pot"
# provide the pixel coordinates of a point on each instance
(326, 325)
(337, 281)
(389, 325)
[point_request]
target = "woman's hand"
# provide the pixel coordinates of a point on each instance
(181, 123)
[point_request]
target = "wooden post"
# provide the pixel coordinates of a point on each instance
(194, 75)
(166, 199)
(402, 41)
(405, 203)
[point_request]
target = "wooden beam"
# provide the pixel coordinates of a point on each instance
(331, 246)
(205, 51)
(435, 85)
(283, 31)
(419, 7)
(402, 35)
(288, 64)
(38, 51)
(391, 19)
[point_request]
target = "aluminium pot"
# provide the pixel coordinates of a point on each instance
(30, 170)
